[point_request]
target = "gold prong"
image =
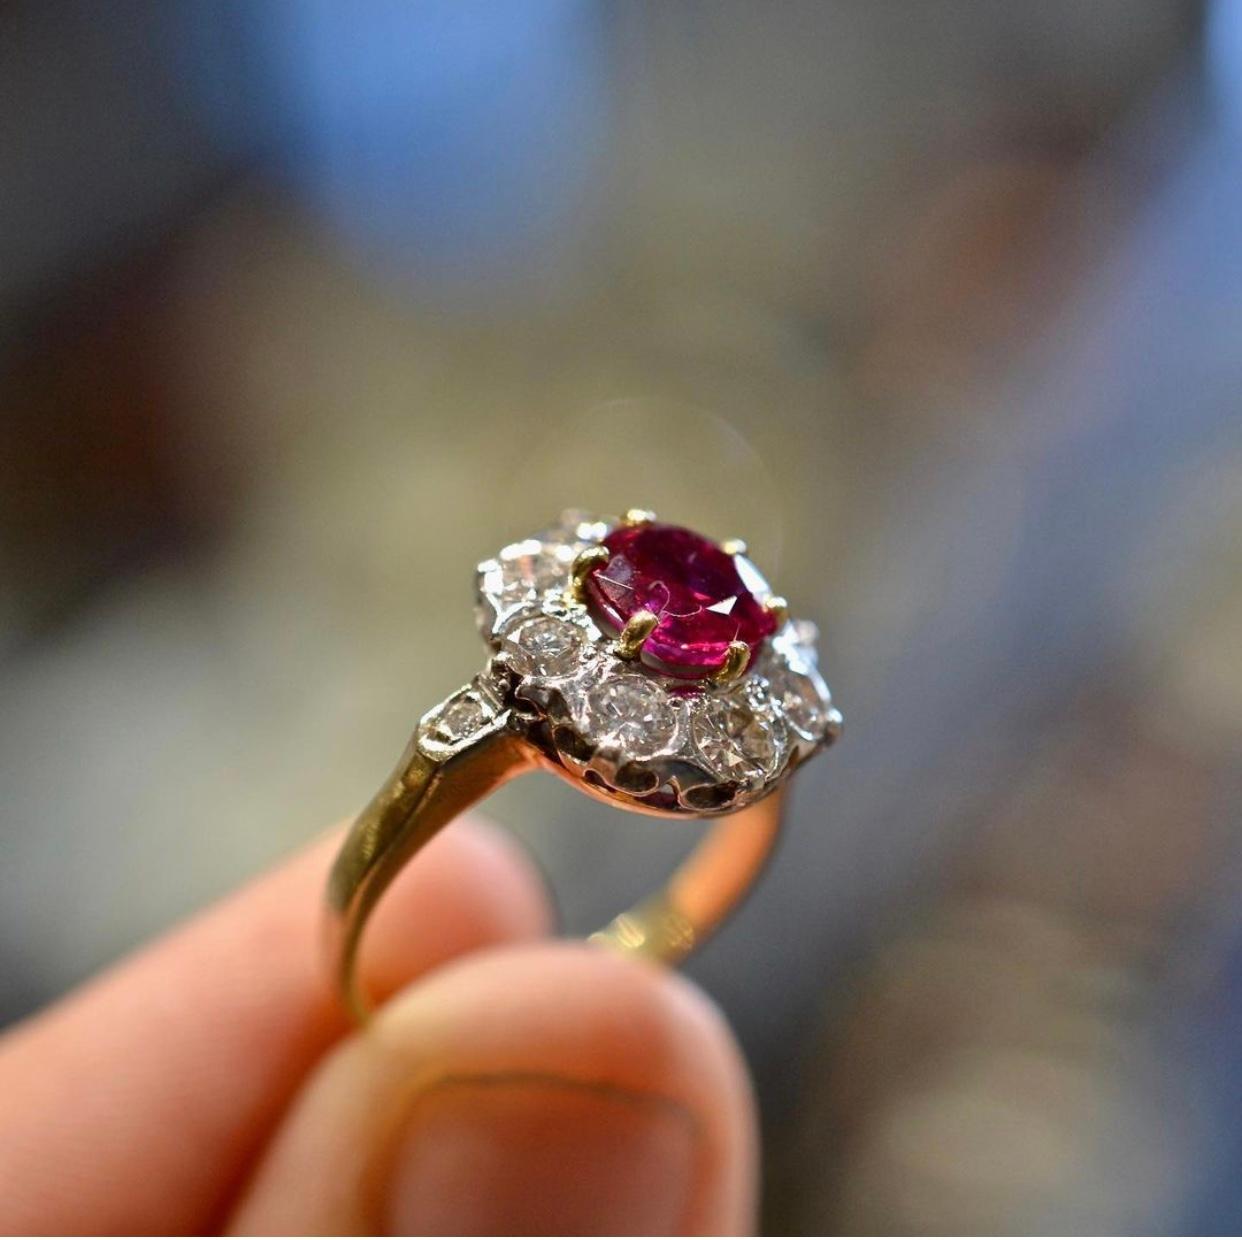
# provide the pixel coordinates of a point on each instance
(733, 546)
(778, 609)
(638, 628)
(638, 516)
(588, 559)
(734, 664)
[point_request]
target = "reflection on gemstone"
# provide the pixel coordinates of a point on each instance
(634, 713)
(545, 646)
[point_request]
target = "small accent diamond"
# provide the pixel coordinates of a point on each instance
(453, 724)
(736, 742)
(634, 712)
(802, 705)
(545, 646)
(578, 526)
(529, 569)
(461, 717)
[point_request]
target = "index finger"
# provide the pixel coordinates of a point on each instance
(138, 1103)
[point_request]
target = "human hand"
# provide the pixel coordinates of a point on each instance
(211, 1083)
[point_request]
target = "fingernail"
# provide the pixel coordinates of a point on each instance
(529, 1154)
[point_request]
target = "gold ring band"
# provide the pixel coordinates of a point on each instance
(422, 796)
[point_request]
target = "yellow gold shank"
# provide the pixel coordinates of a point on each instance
(423, 795)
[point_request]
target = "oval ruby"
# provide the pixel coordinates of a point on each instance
(703, 596)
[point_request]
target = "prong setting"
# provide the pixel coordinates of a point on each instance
(638, 516)
(733, 666)
(734, 546)
(638, 628)
(778, 608)
(586, 562)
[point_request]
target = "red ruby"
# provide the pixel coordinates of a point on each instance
(703, 596)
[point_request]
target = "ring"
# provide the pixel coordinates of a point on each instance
(645, 664)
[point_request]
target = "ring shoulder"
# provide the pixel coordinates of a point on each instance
(461, 749)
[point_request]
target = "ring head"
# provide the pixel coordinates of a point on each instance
(666, 674)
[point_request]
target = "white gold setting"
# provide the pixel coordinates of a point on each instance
(628, 731)
(457, 721)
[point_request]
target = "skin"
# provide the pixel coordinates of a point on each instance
(511, 1084)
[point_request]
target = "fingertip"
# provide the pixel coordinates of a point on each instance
(227, 1015)
(472, 887)
(556, 1088)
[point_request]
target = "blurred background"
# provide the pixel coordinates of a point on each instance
(305, 308)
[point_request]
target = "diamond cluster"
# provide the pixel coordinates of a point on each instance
(674, 745)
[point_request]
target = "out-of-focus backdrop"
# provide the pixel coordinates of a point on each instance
(306, 308)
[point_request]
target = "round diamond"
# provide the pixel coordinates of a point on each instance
(454, 723)
(705, 598)
(577, 526)
(461, 717)
(529, 569)
(634, 712)
(737, 742)
(545, 646)
(802, 705)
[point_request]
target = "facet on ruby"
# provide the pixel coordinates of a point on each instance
(704, 598)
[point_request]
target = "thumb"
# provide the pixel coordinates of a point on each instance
(555, 1089)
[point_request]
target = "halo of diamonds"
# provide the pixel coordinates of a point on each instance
(672, 746)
